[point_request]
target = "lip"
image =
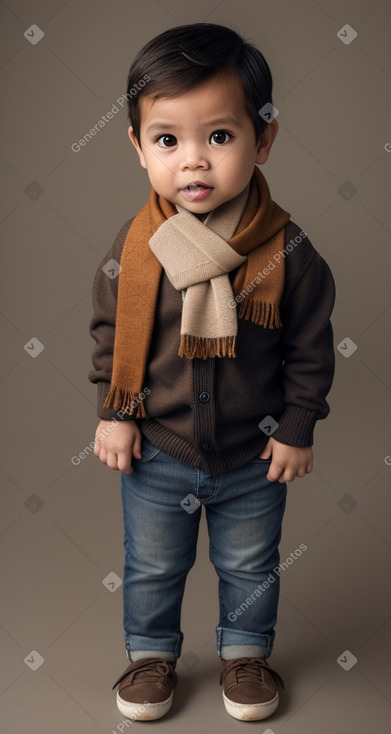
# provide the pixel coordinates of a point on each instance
(196, 183)
(196, 195)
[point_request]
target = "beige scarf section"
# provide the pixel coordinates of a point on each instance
(197, 260)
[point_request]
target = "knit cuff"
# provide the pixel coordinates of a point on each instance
(296, 426)
(109, 414)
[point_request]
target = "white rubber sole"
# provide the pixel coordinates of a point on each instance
(144, 711)
(250, 711)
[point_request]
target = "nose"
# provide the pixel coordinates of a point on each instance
(194, 157)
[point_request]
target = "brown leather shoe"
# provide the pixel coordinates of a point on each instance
(146, 689)
(250, 691)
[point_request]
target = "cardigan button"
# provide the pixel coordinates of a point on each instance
(207, 446)
(204, 397)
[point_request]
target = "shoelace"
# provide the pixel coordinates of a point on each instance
(148, 669)
(249, 670)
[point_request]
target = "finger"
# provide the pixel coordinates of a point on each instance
(266, 451)
(125, 463)
(112, 461)
(284, 475)
(274, 474)
(128, 471)
(302, 472)
(137, 448)
(288, 477)
(96, 447)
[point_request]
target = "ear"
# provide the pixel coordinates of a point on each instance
(266, 141)
(133, 139)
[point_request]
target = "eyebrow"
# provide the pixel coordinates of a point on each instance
(217, 121)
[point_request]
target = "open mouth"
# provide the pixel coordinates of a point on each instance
(195, 187)
(196, 191)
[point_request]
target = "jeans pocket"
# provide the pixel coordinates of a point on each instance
(149, 452)
(261, 461)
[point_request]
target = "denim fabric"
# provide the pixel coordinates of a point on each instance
(162, 502)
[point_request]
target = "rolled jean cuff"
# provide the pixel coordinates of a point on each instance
(227, 636)
(163, 644)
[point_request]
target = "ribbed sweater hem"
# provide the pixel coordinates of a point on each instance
(213, 462)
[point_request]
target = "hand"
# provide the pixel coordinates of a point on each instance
(117, 446)
(288, 462)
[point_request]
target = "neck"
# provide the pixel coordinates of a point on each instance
(201, 216)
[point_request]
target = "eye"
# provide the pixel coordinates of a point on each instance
(166, 141)
(219, 137)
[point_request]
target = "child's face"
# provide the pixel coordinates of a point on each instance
(189, 139)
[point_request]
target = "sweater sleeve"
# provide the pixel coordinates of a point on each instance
(102, 325)
(308, 355)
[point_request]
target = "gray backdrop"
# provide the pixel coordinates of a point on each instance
(61, 524)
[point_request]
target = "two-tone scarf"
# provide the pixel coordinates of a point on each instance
(244, 234)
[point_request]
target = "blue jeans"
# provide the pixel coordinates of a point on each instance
(162, 502)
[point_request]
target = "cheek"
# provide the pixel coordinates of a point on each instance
(157, 165)
(236, 158)
(233, 169)
(243, 161)
(160, 175)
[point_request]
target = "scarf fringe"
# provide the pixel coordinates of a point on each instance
(261, 313)
(125, 400)
(203, 347)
